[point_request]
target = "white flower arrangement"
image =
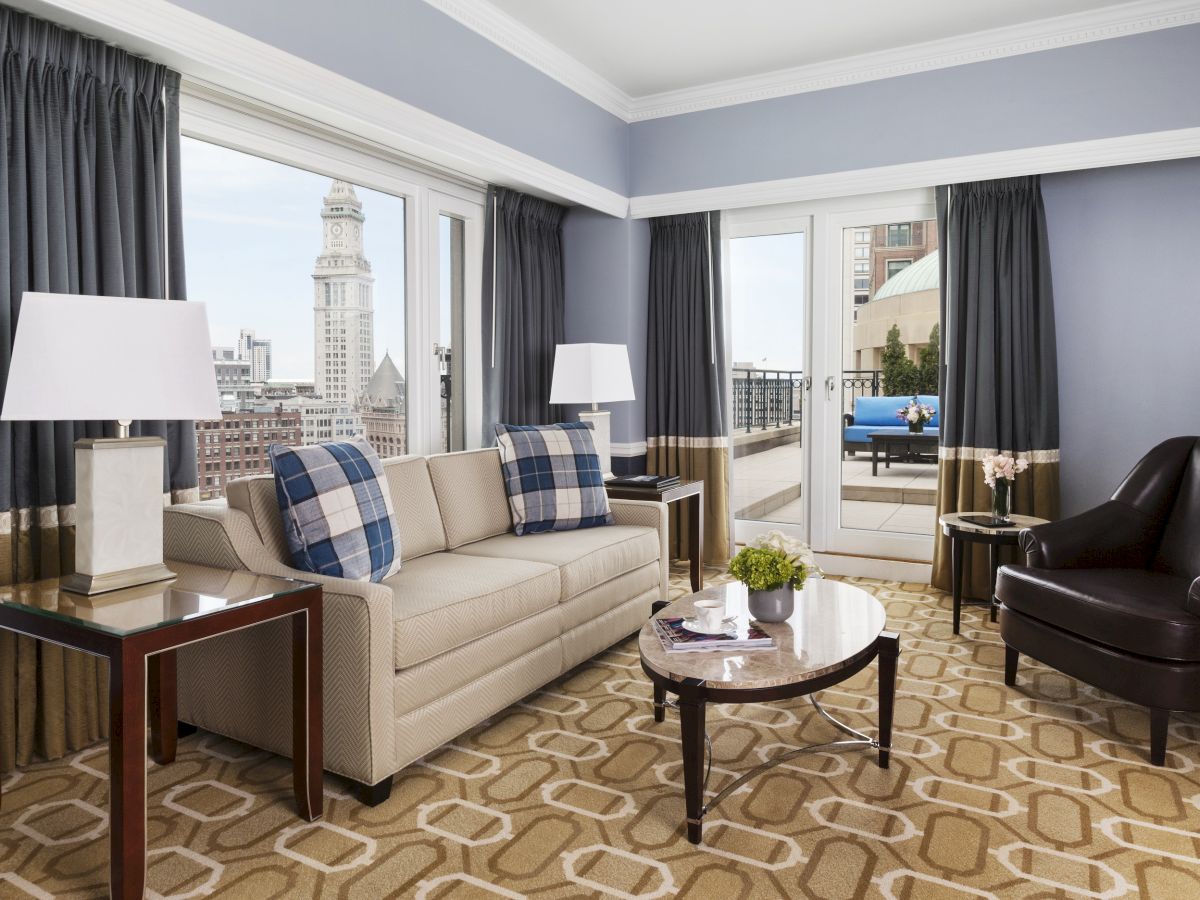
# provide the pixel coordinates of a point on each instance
(916, 413)
(1000, 466)
(797, 553)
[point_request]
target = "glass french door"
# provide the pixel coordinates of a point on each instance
(832, 310)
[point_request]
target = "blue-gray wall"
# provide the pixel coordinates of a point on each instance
(1145, 82)
(411, 51)
(1123, 247)
(607, 269)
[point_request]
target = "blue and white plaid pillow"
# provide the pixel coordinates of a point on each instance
(553, 478)
(336, 510)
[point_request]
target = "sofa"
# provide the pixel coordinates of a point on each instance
(1112, 596)
(879, 414)
(475, 619)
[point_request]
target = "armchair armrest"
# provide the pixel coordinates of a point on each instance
(651, 514)
(1193, 601)
(1113, 535)
(358, 653)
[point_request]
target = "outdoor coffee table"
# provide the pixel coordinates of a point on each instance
(925, 444)
(835, 631)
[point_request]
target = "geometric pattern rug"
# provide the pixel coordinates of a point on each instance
(1039, 791)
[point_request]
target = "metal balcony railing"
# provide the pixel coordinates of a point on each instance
(772, 398)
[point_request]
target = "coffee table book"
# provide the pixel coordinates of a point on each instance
(678, 639)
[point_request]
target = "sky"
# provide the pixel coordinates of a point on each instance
(252, 233)
(767, 279)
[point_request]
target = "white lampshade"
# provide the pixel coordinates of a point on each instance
(591, 373)
(77, 357)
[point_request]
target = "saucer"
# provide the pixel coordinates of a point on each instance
(692, 624)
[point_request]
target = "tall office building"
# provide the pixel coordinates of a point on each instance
(257, 353)
(342, 302)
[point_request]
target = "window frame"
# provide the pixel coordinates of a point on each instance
(269, 133)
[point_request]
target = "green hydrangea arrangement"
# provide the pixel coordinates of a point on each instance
(772, 560)
(761, 569)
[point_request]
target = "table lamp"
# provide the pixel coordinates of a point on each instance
(80, 358)
(593, 373)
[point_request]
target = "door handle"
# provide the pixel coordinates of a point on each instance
(830, 386)
(807, 383)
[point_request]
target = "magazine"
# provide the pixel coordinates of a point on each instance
(650, 482)
(677, 639)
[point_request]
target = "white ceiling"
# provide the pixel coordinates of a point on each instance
(646, 47)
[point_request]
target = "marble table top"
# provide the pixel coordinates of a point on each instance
(832, 624)
(958, 523)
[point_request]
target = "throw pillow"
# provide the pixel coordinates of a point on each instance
(337, 511)
(553, 478)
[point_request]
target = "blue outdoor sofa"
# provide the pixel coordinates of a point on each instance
(879, 414)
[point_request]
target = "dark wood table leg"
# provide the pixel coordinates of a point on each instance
(691, 729)
(874, 459)
(164, 722)
(660, 699)
(956, 577)
(889, 654)
(307, 733)
(696, 540)
(993, 566)
(127, 772)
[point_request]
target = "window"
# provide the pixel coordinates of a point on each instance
(862, 284)
(861, 252)
(895, 266)
(862, 237)
(899, 235)
(862, 268)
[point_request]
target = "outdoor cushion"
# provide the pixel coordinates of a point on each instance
(882, 410)
(445, 600)
(860, 434)
(552, 476)
(337, 510)
(586, 557)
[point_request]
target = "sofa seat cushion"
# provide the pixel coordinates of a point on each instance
(586, 558)
(1128, 609)
(445, 600)
(861, 434)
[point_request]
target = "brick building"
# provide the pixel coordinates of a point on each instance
(235, 445)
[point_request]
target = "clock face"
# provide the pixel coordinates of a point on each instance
(337, 229)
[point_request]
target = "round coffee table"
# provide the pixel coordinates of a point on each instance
(963, 528)
(835, 631)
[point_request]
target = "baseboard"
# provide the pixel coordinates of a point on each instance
(869, 567)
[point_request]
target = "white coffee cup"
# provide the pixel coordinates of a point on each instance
(710, 614)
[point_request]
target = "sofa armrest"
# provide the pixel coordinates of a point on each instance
(358, 652)
(1114, 535)
(847, 419)
(650, 514)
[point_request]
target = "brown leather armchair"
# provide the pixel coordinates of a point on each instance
(1112, 596)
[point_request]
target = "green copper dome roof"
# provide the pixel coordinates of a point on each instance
(920, 276)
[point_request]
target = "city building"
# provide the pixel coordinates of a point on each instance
(236, 445)
(343, 325)
(382, 410)
(324, 420)
(234, 385)
(257, 352)
(910, 301)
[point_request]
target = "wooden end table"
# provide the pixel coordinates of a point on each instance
(693, 492)
(138, 630)
(961, 530)
(835, 631)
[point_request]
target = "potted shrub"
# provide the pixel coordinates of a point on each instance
(773, 567)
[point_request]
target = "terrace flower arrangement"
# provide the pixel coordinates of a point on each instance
(1000, 471)
(916, 414)
(772, 567)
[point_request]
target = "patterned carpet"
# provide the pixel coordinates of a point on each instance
(1038, 791)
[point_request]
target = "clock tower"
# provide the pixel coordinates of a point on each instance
(343, 327)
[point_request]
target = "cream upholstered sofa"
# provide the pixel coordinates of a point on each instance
(476, 618)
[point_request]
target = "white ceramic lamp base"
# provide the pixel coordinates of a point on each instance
(601, 421)
(118, 514)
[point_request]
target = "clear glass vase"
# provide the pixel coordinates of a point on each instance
(1000, 502)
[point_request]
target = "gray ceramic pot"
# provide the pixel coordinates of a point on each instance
(772, 606)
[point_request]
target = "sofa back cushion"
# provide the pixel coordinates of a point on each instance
(470, 493)
(882, 410)
(255, 496)
(416, 505)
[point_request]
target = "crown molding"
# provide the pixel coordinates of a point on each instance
(1028, 37)
(223, 59)
(1079, 155)
(527, 45)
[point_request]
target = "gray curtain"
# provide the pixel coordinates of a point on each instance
(89, 203)
(686, 417)
(999, 386)
(523, 301)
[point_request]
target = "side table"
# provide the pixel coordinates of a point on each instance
(960, 529)
(138, 630)
(693, 492)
